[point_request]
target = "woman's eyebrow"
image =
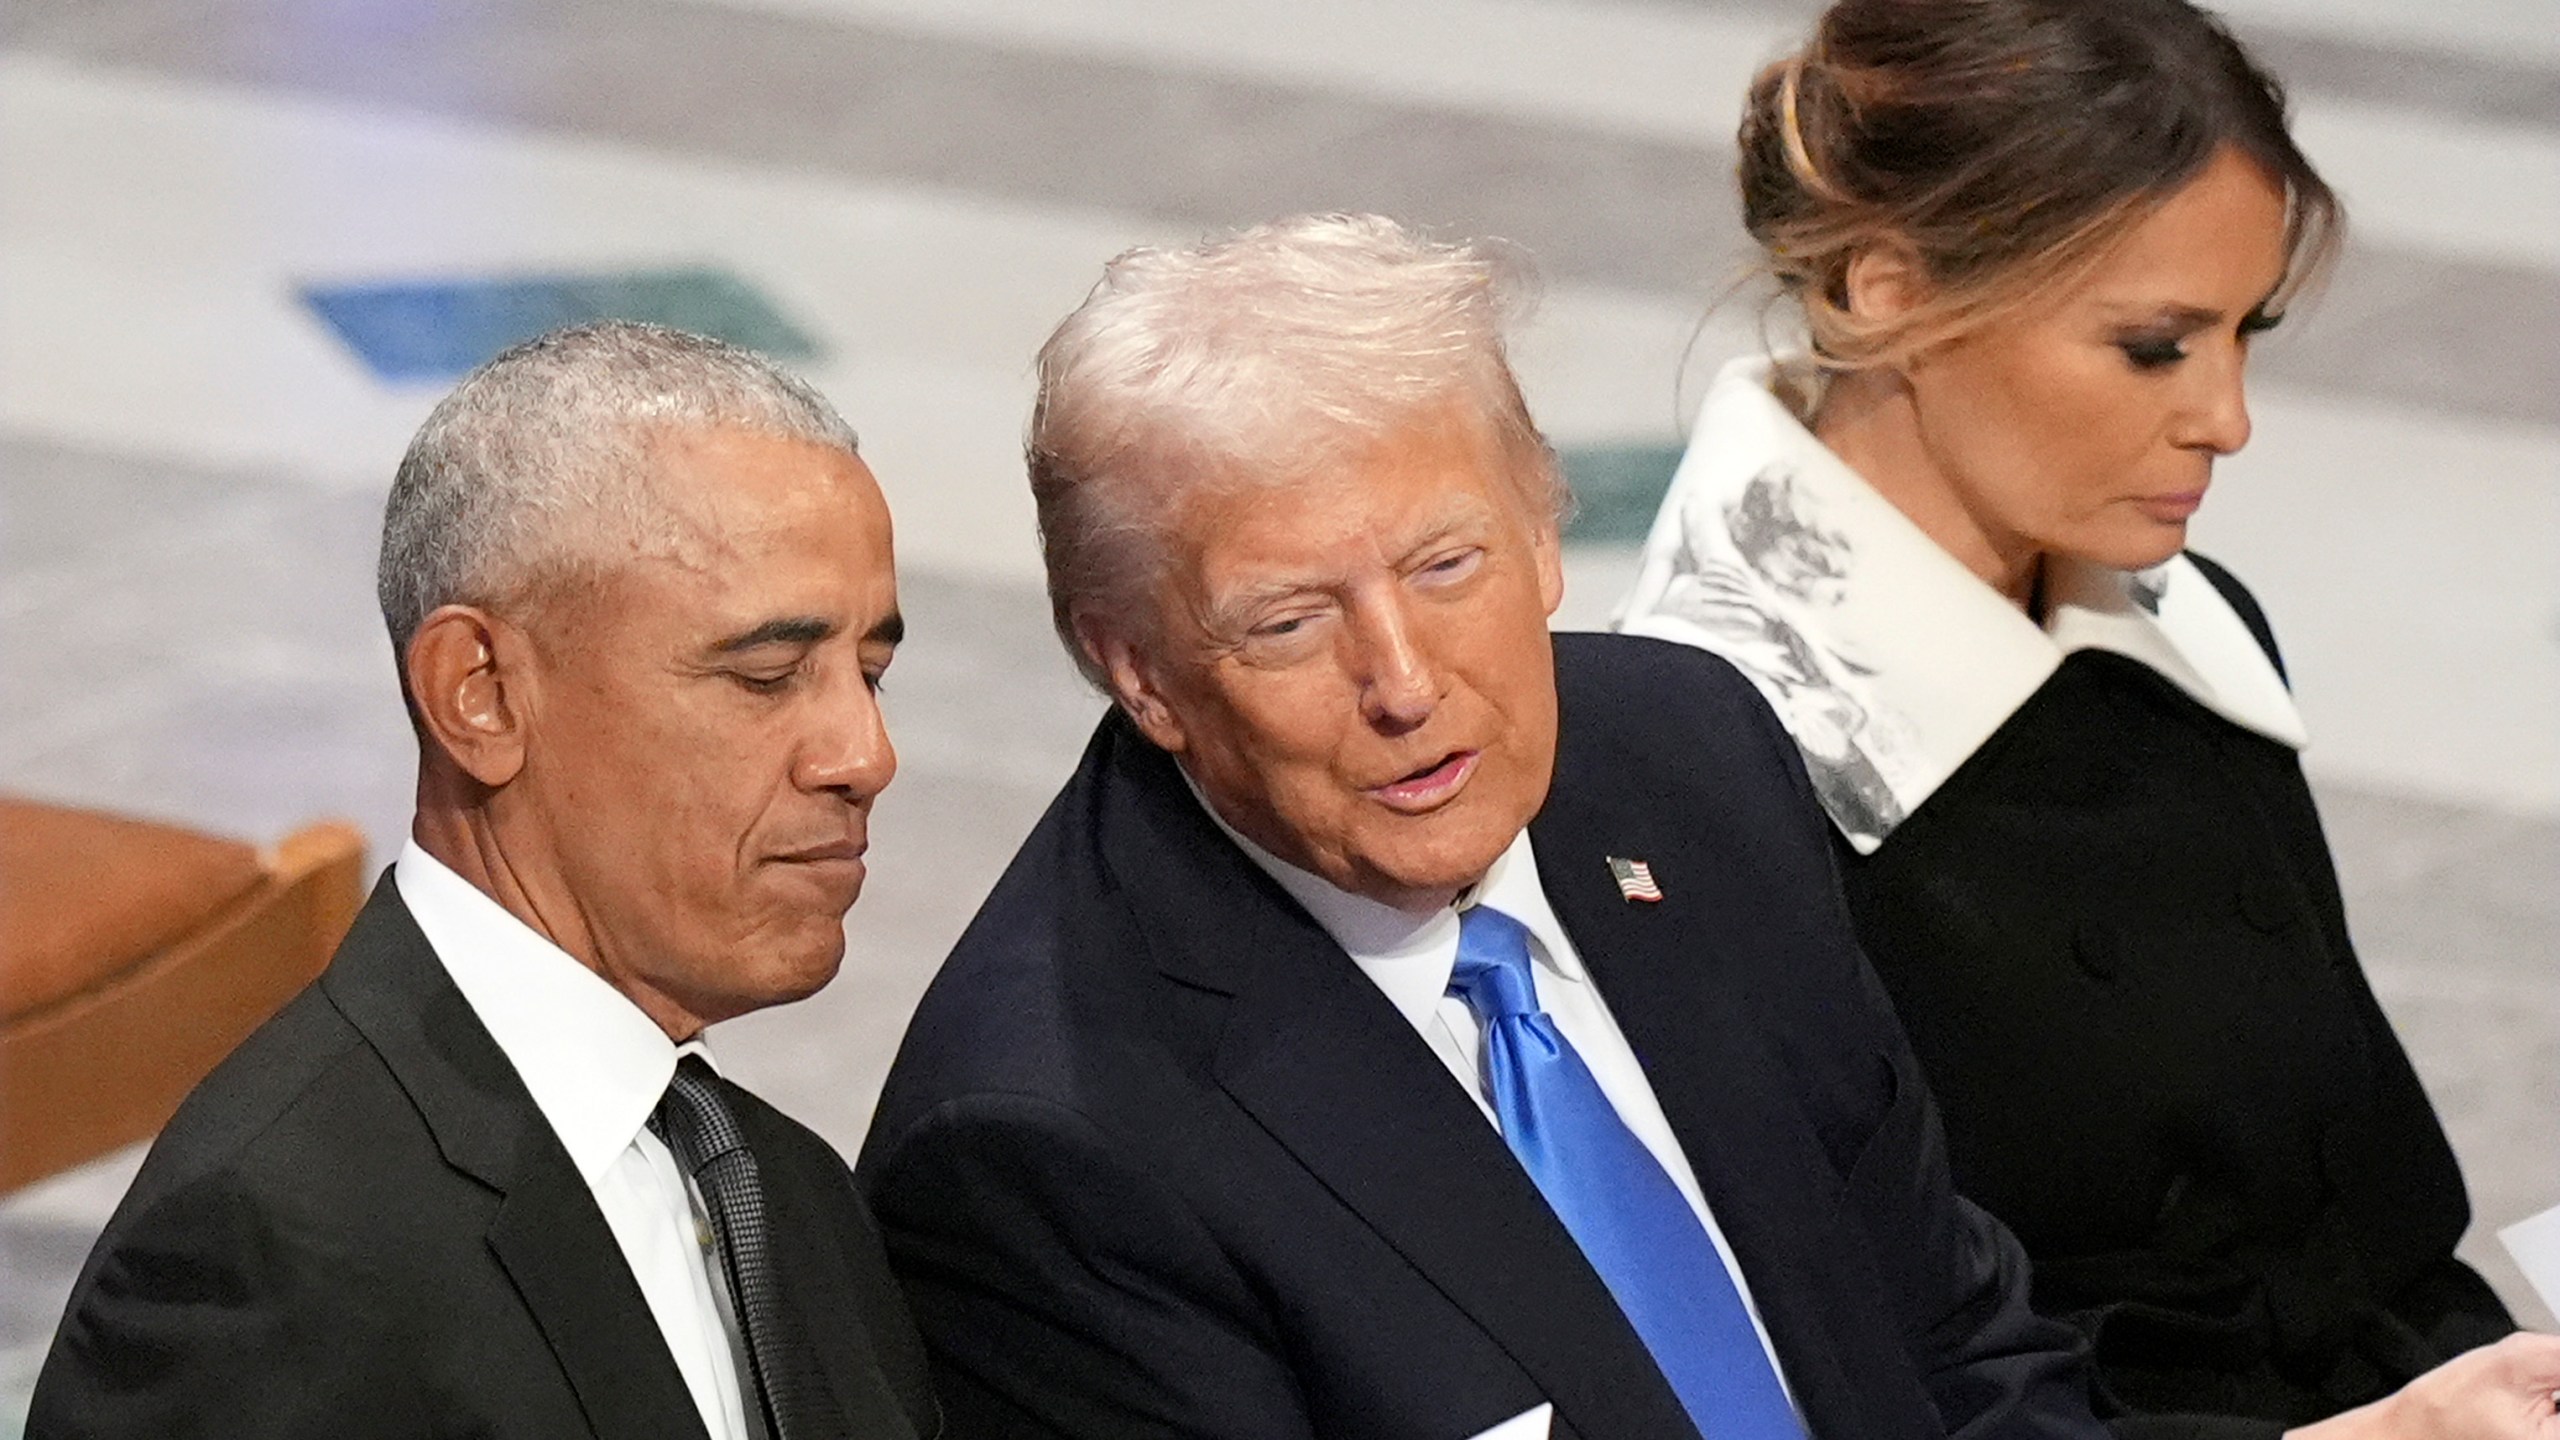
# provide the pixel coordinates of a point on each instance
(2189, 317)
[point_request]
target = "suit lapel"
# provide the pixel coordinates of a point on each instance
(589, 1307)
(1320, 1059)
(1722, 1081)
(548, 1234)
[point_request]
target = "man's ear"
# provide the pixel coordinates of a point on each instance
(1546, 545)
(1133, 685)
(1884, 282)
(469, 682)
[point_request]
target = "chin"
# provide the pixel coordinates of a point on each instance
(1444, 864)
(2153, 546)
(794, 985)
(802, 967)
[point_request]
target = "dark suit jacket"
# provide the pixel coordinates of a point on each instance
(1157, 1159)
(360, 1225)
(2116, 937)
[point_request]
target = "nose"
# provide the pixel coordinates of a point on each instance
(1399, 687)
(847, 751)
(2219, 421)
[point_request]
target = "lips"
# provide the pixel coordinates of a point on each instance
(1430, 786)
(832, 873)
(2169, 508)
(834, 851)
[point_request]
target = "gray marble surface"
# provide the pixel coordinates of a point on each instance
(833, 95)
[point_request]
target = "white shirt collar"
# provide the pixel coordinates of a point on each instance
(595, 1065)
(1411, 957)
(1887, 659)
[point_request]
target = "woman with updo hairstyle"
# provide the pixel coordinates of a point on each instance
(2030, 242)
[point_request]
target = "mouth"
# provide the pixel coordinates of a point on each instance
(836, 864)
(831, 852)
(2169, 509)
(1430, 787)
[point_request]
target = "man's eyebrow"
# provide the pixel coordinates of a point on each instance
(891, 630)
(1227, 614)
(789, 630)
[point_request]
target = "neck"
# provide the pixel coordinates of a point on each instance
(1869, 419)
(507, 860)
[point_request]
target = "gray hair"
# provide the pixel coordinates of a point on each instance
(1259, 358)
(537, 464)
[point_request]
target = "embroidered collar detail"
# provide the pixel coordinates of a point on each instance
(1887, 660)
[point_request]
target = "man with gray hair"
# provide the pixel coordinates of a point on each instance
(1405, 1025)
(482, 1177)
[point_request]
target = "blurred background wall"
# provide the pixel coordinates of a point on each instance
(243, 243)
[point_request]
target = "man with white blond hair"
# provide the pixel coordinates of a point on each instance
(483, 1178)
(1405, 1024)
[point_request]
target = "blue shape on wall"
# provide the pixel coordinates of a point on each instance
(437, 330)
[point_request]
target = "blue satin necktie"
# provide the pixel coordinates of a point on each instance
(1632, 1223)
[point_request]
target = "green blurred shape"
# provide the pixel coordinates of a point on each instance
(1617, 489)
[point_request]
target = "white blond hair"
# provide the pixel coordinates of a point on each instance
(1259, 358)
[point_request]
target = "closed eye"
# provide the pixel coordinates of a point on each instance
(1455, 565)
(759, 684)
(2150, 354)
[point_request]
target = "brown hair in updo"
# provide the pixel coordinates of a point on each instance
(2008, 144)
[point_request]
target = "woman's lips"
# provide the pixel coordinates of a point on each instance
(1427, 790)
(2172, 508)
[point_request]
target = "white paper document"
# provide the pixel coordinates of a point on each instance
(2536, 1245)
(1527, 1425)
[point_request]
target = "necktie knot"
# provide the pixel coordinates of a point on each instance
(694, 1118)
(1492, 973)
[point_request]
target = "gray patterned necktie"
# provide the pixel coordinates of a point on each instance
(697, 1125)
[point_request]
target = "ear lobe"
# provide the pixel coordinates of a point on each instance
(1133, 686)
(468, 683)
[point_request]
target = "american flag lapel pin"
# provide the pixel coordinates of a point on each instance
(1635, 880)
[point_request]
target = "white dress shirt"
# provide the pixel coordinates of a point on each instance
(1411, 958)
(596, 1067)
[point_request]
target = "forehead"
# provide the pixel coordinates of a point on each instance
(2220, 236)
(727, 478)
(1441, 472)
(759, 523)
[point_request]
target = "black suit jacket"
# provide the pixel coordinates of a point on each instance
(1157, 1159)
(360, 1225)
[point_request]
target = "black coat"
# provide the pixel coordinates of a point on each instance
(1157, 1159)
(360, 1225)
(2116, 939)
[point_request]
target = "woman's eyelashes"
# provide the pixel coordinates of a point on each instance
(2149, 353)
(2160, 351)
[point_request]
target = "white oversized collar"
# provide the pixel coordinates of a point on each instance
(1887, 659)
